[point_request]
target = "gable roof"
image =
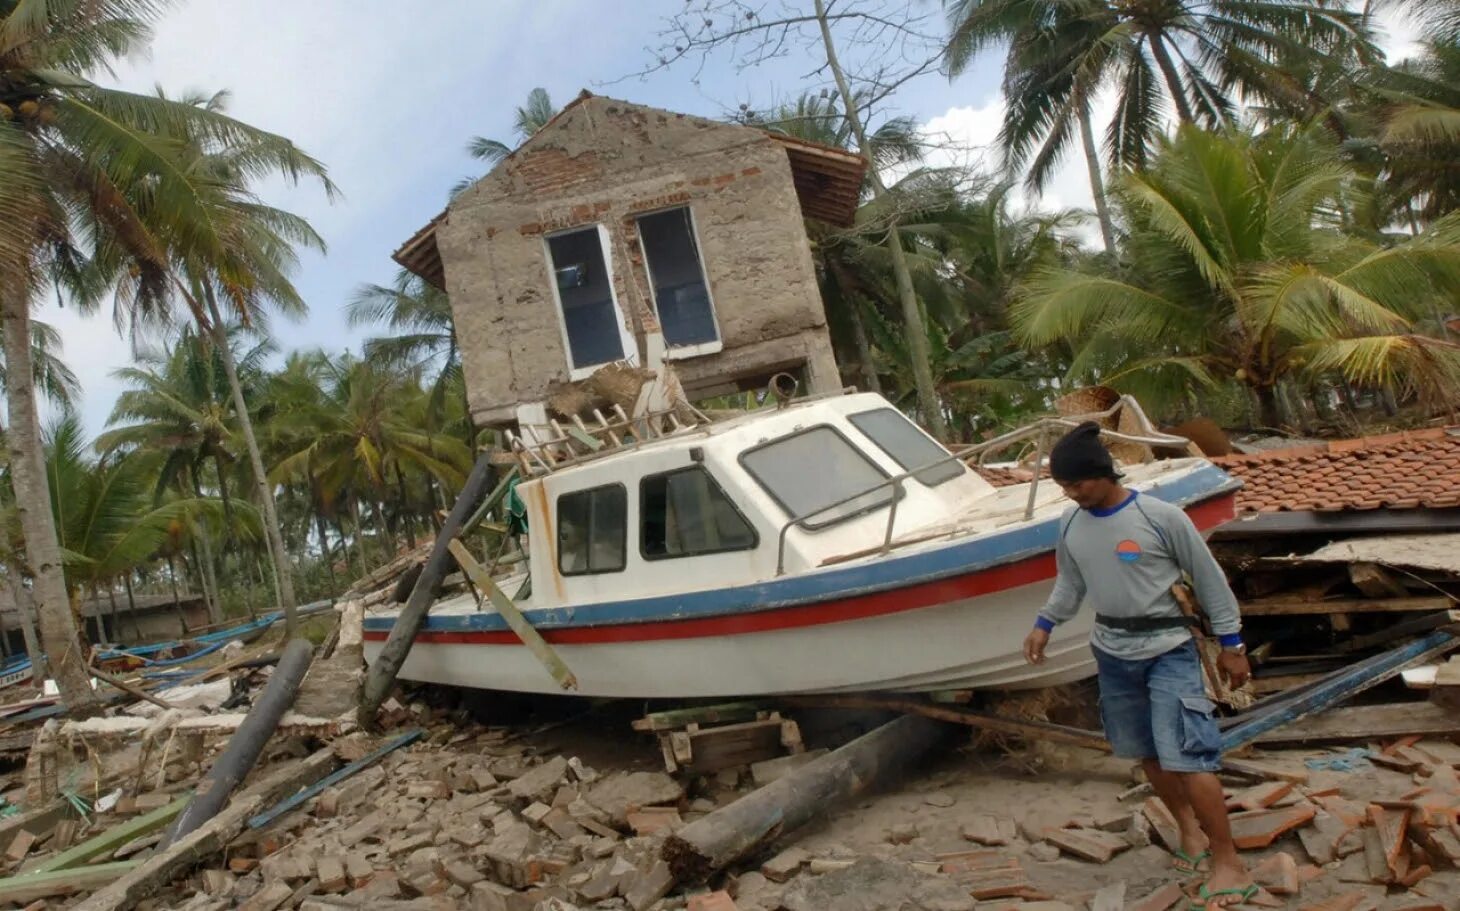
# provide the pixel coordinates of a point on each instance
(1417, 469)
(828, 184)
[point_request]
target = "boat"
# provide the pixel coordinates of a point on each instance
(15, 671)
(823, 545)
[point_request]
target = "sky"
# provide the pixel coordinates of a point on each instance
(387, 94)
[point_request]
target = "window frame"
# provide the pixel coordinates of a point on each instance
(626, 338)
(754, 532)
(674, 352)
(897, 492)
(911, 471)
(623, 531)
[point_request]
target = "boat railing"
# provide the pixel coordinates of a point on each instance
(578, 441)
(1042, 432)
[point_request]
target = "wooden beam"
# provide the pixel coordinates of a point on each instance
(1030, 730)
(146, 878)
(28, 887)
(1283, 607)
(1366, 723)
(1338, 686)
(114, 838)
(130, 689)
(703, 714)
(525, 631)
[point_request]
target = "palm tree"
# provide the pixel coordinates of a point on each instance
(97, 183)
(425, 335)
(1240, 271)
(1197, 57)
(111, 524)
(50, 374)
(527, 119)
(354, 440)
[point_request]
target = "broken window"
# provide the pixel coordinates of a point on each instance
(908, 446)
(591, 319)
(592, 530)
(681, 294)
(685, 513)
(815, 468)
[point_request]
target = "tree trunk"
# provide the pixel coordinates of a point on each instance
(864, 348)
(1269, 409)
(182, 620)
(433, 504)
(359, 534)
(324, 549)
(67, 651)
(912, 315)
(407, 522)
(21, 599)
(1173, 80)
(283, 570)
(382, 528)
(195, 566)
(345, 548)
(1097, 181)
(207, 567)
(132, 605)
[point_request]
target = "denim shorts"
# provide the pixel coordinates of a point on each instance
(1157, 708)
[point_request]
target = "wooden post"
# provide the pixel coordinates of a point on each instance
(383, 671)
(508, 611)
(713, 842)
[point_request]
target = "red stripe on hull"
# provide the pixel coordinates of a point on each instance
(1205, 516)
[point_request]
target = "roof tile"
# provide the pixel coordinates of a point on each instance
(1407, 470)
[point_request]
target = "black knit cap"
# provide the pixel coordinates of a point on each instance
(1079, 456)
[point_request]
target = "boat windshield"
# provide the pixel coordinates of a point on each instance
(811, 469)
(908, 446)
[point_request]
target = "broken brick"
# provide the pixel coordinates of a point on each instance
(987, 829)
(20, 845)
(330, 872)
(1162, 823)
(1163, 899)
(1278, 874)
(784, 865)
(712, 901)
(1261, 828)
(1391, 826)
(1091, 844)
(648, 820)
(1260, 797)
(1007, 882)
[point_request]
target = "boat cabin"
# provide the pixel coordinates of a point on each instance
(708, 507)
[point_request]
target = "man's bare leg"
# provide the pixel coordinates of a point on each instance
(1170, 787)
(1204, 797)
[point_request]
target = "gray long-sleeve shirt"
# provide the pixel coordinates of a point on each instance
(1123, 561)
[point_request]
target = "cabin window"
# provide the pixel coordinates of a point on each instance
(681, 294)
(814, 468)
(592, 530)
(908, 446)
(592, 324)
(685, 513)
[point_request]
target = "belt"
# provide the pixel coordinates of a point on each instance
(1145, 624)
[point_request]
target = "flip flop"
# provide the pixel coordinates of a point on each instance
(1204, 898)
(1186, 864)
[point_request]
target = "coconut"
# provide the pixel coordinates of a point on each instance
(6, 112)
(29, 109)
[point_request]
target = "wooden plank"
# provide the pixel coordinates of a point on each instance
(1282, 607)
(1367, 723)
(338, 775)
(145, 879)
(28, 887)
(728, 746)
(115, 837)
(508, 611)
(1031, 730)
(1340, 685)
(703, 714)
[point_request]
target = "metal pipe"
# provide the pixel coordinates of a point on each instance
(247, 743)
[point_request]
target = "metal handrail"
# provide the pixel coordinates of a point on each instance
(1040, 430)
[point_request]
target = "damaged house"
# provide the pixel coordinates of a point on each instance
(624, 234)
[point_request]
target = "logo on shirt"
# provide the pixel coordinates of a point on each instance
(1128, 551)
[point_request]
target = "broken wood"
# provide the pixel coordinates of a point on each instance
(1365, 723)
(130, 689)
(1341, 684)
(702, 751)
(705, 714)
(733, 831)
(1030, 730)
(28, 887)
(508, 611)
(113, 838)
(1282, 607)
(168, 863)
(382, 673)
(247, 743)
(335, 777)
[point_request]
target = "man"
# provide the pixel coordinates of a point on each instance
(1123, 552)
